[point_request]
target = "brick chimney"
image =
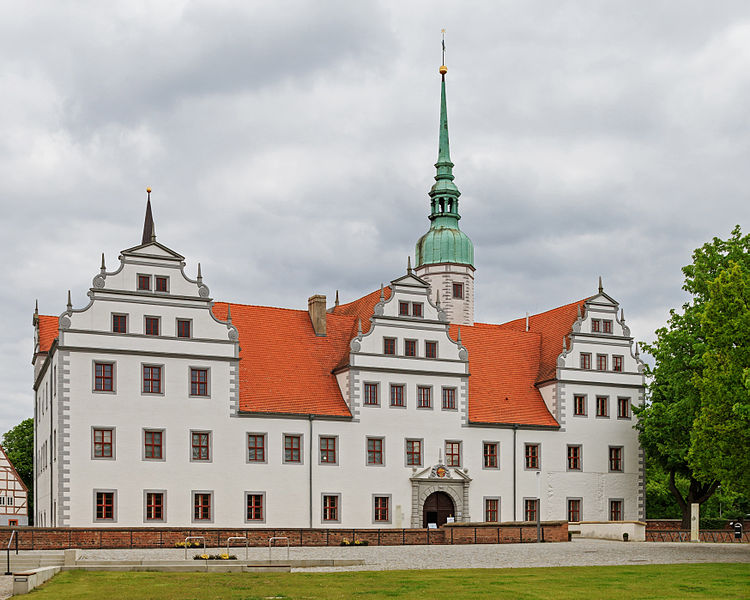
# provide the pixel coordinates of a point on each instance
(316, 306)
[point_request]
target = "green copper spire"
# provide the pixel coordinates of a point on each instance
(444, 242)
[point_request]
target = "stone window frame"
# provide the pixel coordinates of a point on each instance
(162, 379)
(525, 509)
(585, 412)
(395, 346)
(615, 359)
(301, 437)
(568, 468)
(177, 322)
(211, 506)
(403, 395)
(263, 506)
(485, 507)
(628, 411)
(210, 458)
(336, 450)
(610, 502)
(596, 325)
(158, 325)
(365, 385)
(264, 436)
(621, 458)
(138, 282)
(606, 407)
(436, 345)
(585, 361)
(156, 281)
(381, 438)
(460, 286)
(95, 362)
(162, 445)
(112, 322)
(323, 496)
(580, 508)
(429, 393)
(112, 491)
(607, 326)
(455, 397)
(406, 451)
(401, 305)
(111, 428)
(192, 368)
(496, 443)
(387, 521)
(460, 453)
(163, 493)
(599, 362)
(538, 456)
(414, 344)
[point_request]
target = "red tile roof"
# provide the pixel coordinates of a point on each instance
(47, 332)
(362, 308)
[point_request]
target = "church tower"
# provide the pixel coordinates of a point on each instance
(445, 255)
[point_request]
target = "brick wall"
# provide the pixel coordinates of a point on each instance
(52, 538)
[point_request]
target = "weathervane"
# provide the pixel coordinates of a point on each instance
(443, 32)
(443, 69)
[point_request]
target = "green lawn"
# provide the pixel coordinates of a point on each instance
(721, 580)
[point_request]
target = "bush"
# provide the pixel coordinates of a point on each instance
(187, 544)
(710, 523)
(346, 542)
(223, 556)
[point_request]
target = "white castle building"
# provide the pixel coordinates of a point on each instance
(156, 405)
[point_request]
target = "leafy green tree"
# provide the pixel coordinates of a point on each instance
(19, 446)
(667, 422)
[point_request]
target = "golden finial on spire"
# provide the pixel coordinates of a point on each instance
(443, 69)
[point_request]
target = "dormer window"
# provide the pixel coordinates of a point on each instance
(607, 326)
(161, 284)
(416, 309)
(144, 282)
(403, 309)
(596, 325)
(458, 291)
(389, 346)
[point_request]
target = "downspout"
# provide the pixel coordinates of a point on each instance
(515, 431)
(310, 471)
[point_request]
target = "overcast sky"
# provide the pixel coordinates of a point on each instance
(290, 148)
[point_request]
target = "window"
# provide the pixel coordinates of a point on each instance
(256, 447)
(200, 445)
(574, 458)
(255, 507)
(410, 347)
(617, 364)
(602, 406)
(330, 507)
(201, 506)
(416, 309)
(397, 395)
(105, 506)
(389, 346)
(382, 512)
(607, 326)
(490, 455)
(601, 362)
(154, 506)
(615, 458)
(596, 325)
(458, 291)
(585, 360)
(292, 448)
(371, 393)
(374, 451)
(579, 405)
(199, 382)
(453, 454)
(532, 456)
(424, 396)
(103, 377)
(161, 284)
(413, 453)
(328, 450)
(183, 328)
(574, 509)
(103, 443)
(430, 349)
(152, 444)
(144, 282)
(152, 325)
(531, 508)
(403, 309)
(449, 398)
(151, 379)
(623, 408)
(119, 323)
(491, 506)
(615, 510)
(12, 522)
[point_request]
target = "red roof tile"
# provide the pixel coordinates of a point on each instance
(47, 332)
(362, 308)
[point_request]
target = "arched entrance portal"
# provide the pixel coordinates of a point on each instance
(438, 506)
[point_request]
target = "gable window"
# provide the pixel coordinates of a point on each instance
(430, 349)
(199, 382)
(154, 506)
(105, 506)
(410, 347)
(623, 408)
(144, 282)
(424, 396)
(607, 326)
(403, 309)
(151, 379)
(615, 510)
(152, 325)
(574, 458)
(382, 512)
(531, 508)
(152, 444)
(371, 394)
(389, 346)
(328, 450)
(579, 405)
(458, 291)
(119, 323)
(453, 454)
(331, 507)
(183, 328)
(292, 447)
(256, 447)
(374, 451)
(449, 398)
(416, 309)
(617, 364)
(596, 325)
(161, 284)
(397, 395)
(413, 453)
(615, 458)
(103, 443)
(601, 362)
(585, 360)
(532, 456)
(602, 406)
(200, 443)
(255, 507)
(201, 506)
(491, 506)
(103, 377)
(574, 509)
(490, 455)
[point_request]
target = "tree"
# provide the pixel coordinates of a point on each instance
(19, 446)
(666, 423)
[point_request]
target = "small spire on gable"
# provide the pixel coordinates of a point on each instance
(70, 302)
(382, 293)
(103, 268)
(149, 231)
(229, 313)
(336, 303)
(199, 279)
(601, 287)
(408, 265)
(359, 326)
